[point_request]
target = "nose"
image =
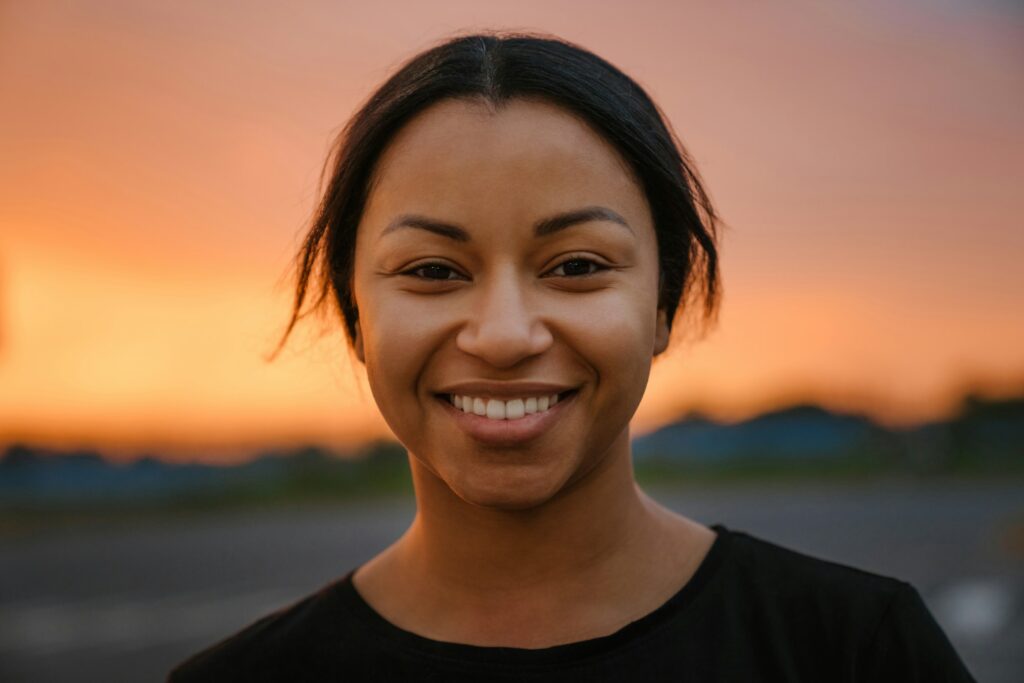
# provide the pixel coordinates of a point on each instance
(504, 325)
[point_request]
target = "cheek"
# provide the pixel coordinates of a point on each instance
(613, 332)
(399, 336)
(618, 322)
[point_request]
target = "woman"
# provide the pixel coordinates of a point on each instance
(509, 233)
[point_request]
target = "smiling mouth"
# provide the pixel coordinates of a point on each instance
(510, 409)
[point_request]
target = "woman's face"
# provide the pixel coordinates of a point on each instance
(505, 257)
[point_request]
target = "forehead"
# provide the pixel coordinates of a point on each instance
(524, 159)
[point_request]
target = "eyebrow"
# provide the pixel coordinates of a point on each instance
(542, 228)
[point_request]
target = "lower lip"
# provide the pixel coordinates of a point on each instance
(507, 433)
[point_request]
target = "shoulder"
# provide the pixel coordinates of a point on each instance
(877, 625)
(285, 644)
(834, 600)
(790, 574)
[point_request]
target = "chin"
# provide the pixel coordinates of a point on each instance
(507, 493)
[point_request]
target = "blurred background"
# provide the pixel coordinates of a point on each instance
(861, 399)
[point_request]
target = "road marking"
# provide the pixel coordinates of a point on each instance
(975, 609)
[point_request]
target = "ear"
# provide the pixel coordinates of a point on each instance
(357, 344)
(661, 332)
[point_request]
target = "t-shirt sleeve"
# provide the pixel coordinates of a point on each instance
(910, 645)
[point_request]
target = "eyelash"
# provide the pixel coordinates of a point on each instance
(598, 267)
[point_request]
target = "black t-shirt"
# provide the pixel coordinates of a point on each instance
(753, 611)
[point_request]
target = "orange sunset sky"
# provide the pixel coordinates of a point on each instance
(159, 163)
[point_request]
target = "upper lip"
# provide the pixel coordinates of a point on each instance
(509, 389)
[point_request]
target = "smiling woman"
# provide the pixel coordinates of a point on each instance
(509, 233)
(488, 311)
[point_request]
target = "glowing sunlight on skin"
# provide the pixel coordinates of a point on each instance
(536, 263)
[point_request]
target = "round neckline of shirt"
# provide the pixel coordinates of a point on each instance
(466, 654)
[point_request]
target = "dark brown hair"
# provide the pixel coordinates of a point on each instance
(498, 67)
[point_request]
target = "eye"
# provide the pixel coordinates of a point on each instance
(577, 267)
(433, 271)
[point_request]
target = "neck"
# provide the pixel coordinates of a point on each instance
(595, 557)
(587, 529)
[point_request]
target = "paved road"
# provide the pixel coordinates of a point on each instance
(125, 604)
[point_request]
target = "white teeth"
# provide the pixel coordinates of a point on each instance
(496, 409)
(515, 409)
